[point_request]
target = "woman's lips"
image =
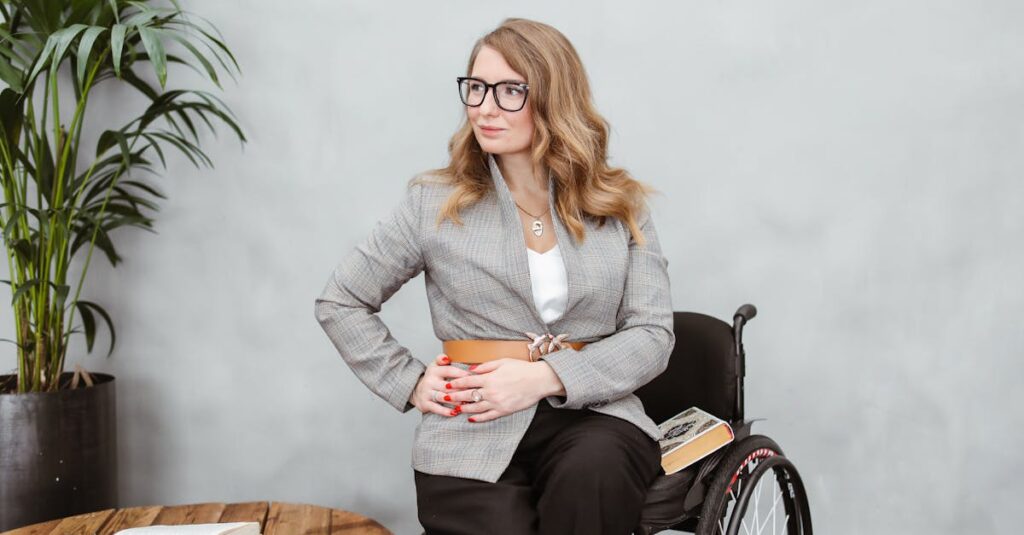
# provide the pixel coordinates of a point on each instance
(491, 131)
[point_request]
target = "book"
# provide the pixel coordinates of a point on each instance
(221, 528)
(690, 436)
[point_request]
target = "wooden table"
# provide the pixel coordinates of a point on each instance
(275, 518)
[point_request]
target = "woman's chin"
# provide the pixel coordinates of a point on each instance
(488, 145)
(492, 147)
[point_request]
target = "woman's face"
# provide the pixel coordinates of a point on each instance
(499, 131)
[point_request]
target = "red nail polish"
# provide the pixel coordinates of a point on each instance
(472, 420)
(448, 386)
(454, 412)
(446, 360)
(447, 397)
(458, 410)
(473, 367)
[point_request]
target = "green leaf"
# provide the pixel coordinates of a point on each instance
(42, 60)
(90, 324)
(117, 33)
(107, 139)
(155, 51)
(145, 15)
(145, 187)
(61, 294)
(44, 166)
(23, 288)
(64, 38)
(107, 246)
(85, 49)
(217, 40)
(190, 150)
(10, 75)
(156, 146)
(25, 251)
(210, 71)
(114, 10)
(11, 115)
(12, 224)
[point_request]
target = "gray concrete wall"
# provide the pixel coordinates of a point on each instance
(851, 168)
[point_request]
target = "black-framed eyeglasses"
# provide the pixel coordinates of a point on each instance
(509, 96)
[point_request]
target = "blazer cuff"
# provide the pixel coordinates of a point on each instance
(408, 376)
(567, 372)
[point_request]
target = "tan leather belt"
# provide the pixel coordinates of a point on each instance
(477, 351)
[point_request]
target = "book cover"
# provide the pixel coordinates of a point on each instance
(690, 436)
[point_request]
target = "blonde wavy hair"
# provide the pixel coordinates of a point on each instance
(570, 138)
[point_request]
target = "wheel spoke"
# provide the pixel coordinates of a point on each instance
(775, 508)
(772, 514)
(743, 521)
(757, 505)
(759, 522)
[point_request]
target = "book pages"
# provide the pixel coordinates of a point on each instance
(223, 528)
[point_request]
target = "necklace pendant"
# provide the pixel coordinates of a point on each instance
(538, 227)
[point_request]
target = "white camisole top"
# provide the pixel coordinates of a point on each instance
(550, 287)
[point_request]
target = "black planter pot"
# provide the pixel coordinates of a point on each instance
(58, 452)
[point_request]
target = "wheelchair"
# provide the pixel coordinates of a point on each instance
(724, 493)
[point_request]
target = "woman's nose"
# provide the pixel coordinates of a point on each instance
(489, 106)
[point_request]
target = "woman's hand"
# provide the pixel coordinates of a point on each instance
(436, 379)
(506, 385)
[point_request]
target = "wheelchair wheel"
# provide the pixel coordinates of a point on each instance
(755, 489)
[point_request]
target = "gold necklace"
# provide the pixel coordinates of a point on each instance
(538, 225)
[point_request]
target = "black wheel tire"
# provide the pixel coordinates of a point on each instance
(736, 461)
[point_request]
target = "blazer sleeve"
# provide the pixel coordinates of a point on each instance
(639, 350)
(369, 275)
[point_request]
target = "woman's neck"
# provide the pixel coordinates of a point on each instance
(521, 175)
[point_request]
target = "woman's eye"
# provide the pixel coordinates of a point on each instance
(476, 87)
(513, 91)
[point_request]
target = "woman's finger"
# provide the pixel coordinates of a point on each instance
(442, 410)
(468, 381)
(443, 397)
(485, 416)
(479, 407)
(444, 370)
(443, 376)
(433, 401)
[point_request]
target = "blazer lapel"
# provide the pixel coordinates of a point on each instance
(571, 259)
(516, 261)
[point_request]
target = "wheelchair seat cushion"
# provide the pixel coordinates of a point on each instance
(664, 504)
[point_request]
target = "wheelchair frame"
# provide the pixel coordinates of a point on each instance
(696, 499)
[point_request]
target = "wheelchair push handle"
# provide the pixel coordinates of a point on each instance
(743, 314)
(747, 312)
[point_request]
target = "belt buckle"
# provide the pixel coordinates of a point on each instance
(544, 343)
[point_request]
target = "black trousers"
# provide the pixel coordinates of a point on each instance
(574, 472)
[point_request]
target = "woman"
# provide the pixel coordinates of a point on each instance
(526, 233)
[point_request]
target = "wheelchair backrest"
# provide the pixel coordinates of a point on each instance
(702, 371)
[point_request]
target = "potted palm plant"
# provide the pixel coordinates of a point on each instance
(62, 202)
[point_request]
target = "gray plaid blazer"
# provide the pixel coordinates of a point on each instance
(478, 286)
